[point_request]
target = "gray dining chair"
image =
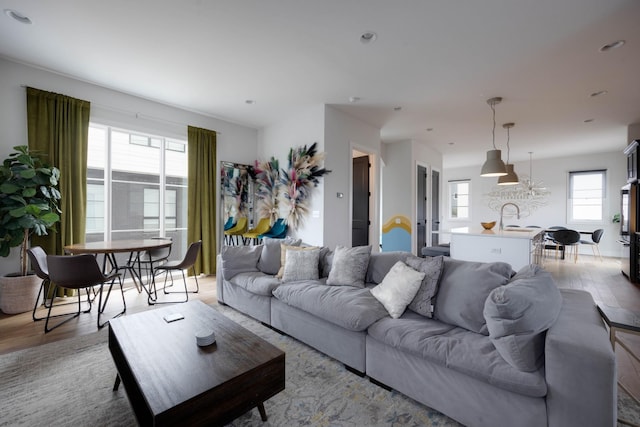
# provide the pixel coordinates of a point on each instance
(169, 267)
(594, 242)
(80, 272)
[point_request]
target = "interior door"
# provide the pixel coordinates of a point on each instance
(360, 215)
(435, 208)
(421, 203)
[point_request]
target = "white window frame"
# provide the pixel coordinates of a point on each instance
(571, 197)
(156, 141)
(450, 197)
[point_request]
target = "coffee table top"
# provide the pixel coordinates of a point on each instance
(620, 318)
(168, 365)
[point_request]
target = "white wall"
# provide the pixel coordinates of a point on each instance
(554, 174)
(234, 143)
(343, 134)
(303, 128)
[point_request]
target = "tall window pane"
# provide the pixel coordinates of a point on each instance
(459, 198)
(135, 186)
(586, 196)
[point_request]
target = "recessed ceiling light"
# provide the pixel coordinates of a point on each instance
(354, 99)
(589, 120)
(614, 45)
(250, 101)
(598, 93)
(17, 16)
(368, 37)
(397, 108)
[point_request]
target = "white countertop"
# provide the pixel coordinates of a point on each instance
(514, 233)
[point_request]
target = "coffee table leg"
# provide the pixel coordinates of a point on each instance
(117, 383)
(263, 413)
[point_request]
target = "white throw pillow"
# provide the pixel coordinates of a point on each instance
(398, 288)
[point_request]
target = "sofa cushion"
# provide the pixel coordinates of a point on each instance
(239, 259)
(381, 262)
(518, 315)
(463, 289)
(256, 282)
(269, 262)
(346, 306)
(301, 264)
(458, 349)
(398, 288)
(432, 268)
(349, 266)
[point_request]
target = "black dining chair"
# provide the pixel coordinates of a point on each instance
(38, 258)
(167, 268)
(594, 242)
(150, 259)
(80, 272)
(567, 239)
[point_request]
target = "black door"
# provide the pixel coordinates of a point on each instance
(421, 203)
(360, 218)
(435, 207)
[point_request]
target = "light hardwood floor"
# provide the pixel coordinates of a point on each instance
(602, 279)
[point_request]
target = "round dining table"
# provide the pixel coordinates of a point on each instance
(109, 248)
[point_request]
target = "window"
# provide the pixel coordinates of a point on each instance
(459, 198)
(587, 195)
(136, 186)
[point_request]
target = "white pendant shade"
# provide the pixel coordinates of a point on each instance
(494, 166)
(510, 178)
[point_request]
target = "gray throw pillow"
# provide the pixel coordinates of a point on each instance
(239, 259)
(463, 289)
(301, 265)
(349, 266)
(432, 268)
(269, 262)
(518, 315)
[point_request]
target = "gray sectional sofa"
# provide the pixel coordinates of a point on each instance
(489, 348)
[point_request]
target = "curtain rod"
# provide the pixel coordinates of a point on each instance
(139, 115)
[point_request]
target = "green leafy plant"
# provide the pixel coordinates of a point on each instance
(29, 198)
(616, 218)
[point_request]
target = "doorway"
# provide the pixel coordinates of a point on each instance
(361, 192)
(435, 208)
(421, 208)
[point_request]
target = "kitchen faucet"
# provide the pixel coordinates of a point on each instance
(502, 212)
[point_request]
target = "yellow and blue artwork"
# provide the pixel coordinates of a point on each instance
(396, 234)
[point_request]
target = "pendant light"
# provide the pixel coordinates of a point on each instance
(510, 178)
(494, 166)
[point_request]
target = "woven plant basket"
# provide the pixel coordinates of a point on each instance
(18, 293)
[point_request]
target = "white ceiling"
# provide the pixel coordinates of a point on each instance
(440, 60)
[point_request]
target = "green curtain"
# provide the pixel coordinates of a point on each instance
(58, 126)
(201, 215)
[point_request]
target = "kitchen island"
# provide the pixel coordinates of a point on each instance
(516, 246)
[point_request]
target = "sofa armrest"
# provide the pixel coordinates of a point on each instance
(219, 292)
(580, 366)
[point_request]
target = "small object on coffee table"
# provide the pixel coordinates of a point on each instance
(205, 338)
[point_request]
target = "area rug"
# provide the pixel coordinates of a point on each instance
(70, 383)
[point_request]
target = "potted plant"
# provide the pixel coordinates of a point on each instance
(29, 198)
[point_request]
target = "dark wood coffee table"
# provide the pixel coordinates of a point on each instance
(169, 380)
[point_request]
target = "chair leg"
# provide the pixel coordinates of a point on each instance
(44, 290)
(102, 306)
(72, 315)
